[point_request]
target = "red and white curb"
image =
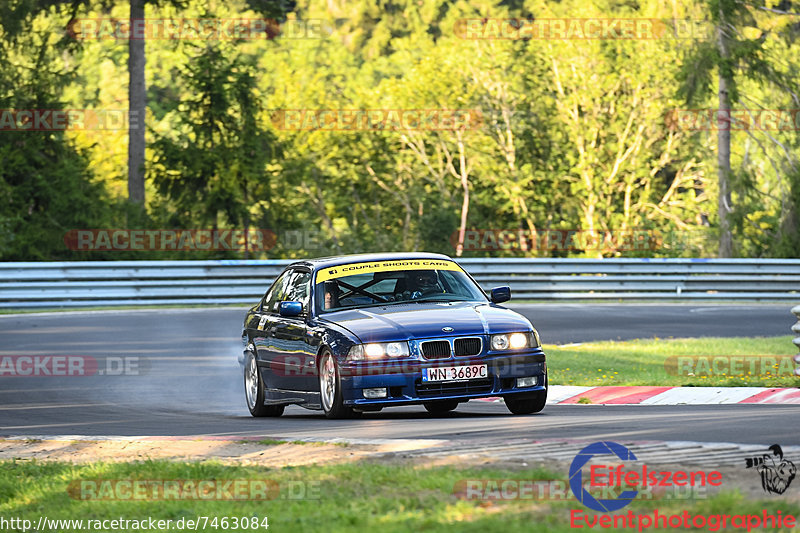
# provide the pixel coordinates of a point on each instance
(646, 395)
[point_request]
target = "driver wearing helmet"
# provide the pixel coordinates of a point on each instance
(426, 282)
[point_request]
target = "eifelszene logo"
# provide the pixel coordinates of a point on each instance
(576, 476)
(776, 472)
(613, 477)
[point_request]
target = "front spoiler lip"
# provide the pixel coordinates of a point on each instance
(417, 401)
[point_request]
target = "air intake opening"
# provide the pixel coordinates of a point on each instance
(436, 349)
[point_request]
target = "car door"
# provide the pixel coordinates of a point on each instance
(294, 356)
(262, 324)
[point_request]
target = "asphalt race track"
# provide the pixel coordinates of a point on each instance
(189, 382)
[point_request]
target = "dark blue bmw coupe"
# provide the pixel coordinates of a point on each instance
(362, 332)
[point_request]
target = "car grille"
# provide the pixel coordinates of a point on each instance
(455, 388)
(436, 349)
(467, 346)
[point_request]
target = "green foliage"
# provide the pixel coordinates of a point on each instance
(213, 160)
(570, 134)
(46, 186)
(747, 51)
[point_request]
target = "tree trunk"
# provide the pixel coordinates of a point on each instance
(724, 147)
(136, 104)
(464, 176)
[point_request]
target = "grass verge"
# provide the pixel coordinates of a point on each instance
(726, 362)
(386, 496)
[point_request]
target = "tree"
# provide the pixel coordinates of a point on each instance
(46, 185)
(216, 160)
(734, 57)
(137, 96)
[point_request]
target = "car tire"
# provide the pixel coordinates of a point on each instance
(330, 388)
(440, 407)
(254, 390)
(528, 405)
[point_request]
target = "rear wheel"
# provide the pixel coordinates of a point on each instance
(440, 407)
(330, 388)
(254, 390)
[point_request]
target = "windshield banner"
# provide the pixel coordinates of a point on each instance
(385, 266)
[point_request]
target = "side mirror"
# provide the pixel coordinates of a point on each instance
(501, 294)
(290, 309)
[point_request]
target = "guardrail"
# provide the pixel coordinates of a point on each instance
(796, 327)
(113, 283)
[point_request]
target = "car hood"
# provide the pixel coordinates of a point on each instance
(426, 320)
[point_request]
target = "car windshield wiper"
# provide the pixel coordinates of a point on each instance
(428, 300)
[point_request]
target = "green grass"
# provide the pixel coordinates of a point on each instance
(359, 496)
(646, 362)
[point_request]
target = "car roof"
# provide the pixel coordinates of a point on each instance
(323, 262)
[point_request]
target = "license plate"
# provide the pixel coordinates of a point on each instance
(454, 373)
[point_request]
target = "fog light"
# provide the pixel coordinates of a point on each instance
(375, 393)
(527, 382)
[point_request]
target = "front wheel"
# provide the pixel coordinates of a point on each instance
(254, 390)
(330, 389)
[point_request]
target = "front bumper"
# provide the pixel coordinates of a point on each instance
(403, 379)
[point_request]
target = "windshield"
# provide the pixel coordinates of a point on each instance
(392, 282)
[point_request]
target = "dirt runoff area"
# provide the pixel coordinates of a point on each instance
(239, 451)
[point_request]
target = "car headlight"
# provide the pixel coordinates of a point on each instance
(515, 341)
(377, 351)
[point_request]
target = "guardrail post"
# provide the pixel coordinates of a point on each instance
(796, 341)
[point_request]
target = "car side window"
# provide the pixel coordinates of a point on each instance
(299, 289)
(277, 292)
